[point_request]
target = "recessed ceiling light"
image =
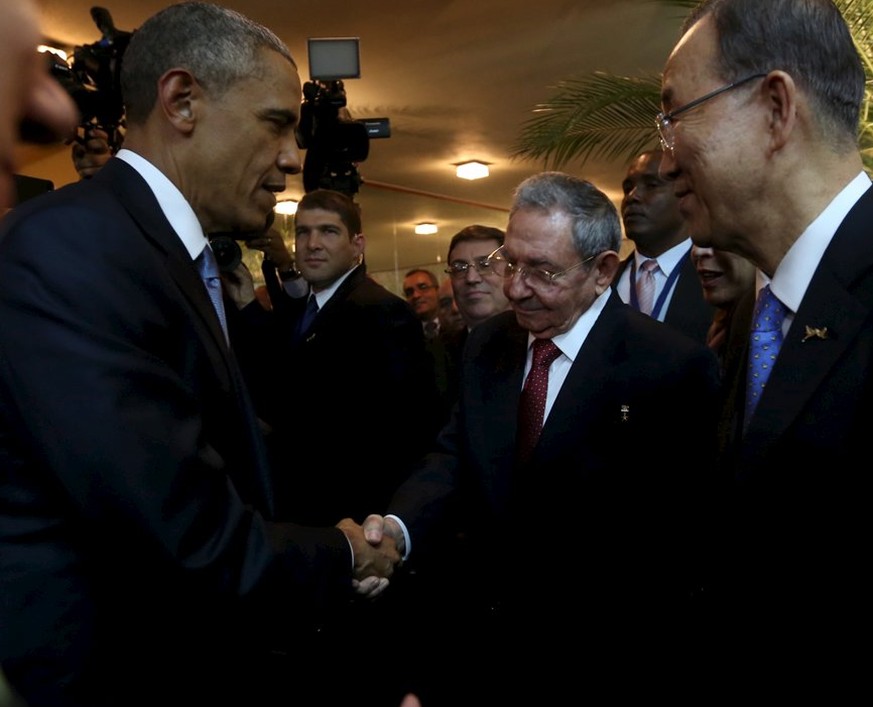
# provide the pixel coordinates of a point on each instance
(57, 51)
(472, 170)
(425, 229)
(288, 207)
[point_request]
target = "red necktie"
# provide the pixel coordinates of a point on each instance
(532, 404)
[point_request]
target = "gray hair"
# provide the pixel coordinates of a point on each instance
(217, 45)
(808, 39)
(595, 223)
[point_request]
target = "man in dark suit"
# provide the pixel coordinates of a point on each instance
(761, 104)
(583, 540)
(138, 561)
(354, 408)
(363, 350)
(651, 218)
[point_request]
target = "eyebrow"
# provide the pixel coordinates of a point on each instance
(286, 116)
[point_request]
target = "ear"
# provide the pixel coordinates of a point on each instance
(359, 241)
(178, 94)
(605, 266)
(781, 95)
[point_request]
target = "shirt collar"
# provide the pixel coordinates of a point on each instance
(173, 204)
(794, 273)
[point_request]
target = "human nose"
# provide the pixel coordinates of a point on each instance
(289, 157)
(472, 274)
(309, 240)
(668, 169)
(515, 285)
(632, 194)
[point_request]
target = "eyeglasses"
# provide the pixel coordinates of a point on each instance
(421, 287)
(459, 268)
(533, 277)
(664, 121)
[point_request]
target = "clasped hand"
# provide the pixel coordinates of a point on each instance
(375, 559)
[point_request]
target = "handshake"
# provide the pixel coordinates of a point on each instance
(378, 547)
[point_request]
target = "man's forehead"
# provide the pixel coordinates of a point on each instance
(691, 59)
(475, 247)
(318, 217)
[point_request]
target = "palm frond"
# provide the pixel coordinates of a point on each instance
(613, 116)
(595, 116)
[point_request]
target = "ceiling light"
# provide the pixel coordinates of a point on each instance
(288, 207)
(43, 48)
(425, 229)
(472, 170)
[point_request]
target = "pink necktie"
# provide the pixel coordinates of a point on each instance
(532, 404)
(646, 286)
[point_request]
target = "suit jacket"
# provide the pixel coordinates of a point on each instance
(688, 311)
(137, 559)
(355, 406)
(594, 537)
(799, 524)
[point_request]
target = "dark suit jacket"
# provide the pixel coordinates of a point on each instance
(597, 535)
(355, 405)
(688, 311)
(137, 562)
(800, 525)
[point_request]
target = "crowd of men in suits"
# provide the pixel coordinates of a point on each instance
(601, 482)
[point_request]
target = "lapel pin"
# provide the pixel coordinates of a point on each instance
(815, 333)
(625, 409)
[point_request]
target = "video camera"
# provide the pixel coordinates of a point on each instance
(93, 78)
(334, 143)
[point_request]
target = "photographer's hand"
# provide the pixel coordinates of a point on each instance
(273, 247)
(91, 152)
(239, 285)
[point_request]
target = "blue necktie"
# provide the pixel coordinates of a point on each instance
(308, 317)
(207, 266)
(765, 340)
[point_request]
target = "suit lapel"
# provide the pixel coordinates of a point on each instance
(598, 355)
(139, 201)
(830, 305)
(499, 366)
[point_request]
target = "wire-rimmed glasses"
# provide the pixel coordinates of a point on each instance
(533, 277)
(664, 121)
(459, 268)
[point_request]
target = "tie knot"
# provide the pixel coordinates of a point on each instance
(544, 353)
(206, 264)
(649, 266)
(769, 311)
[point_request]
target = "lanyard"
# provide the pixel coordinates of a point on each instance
(671, 279)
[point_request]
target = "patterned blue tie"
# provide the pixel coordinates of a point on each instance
(764, 343)
(207, 266)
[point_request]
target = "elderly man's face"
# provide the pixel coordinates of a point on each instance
(541, 239)
(720, 146)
